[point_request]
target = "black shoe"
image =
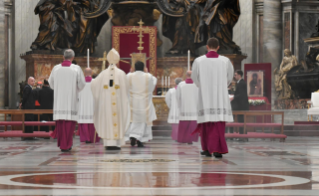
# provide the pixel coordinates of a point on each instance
(203, 152)
(218, 155)
(133, 141)
(206, 153)
(112, 148)
(46, 138)
(140, 144)
(62, 150)
(88, 142)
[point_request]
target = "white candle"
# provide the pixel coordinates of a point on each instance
(166, 81)
(162, 82)
(189, 61)
(88, 58)
(169, 81)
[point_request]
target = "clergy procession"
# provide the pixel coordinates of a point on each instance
(117, 108)
(159, 97)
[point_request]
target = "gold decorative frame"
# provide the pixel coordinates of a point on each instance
(117, 31)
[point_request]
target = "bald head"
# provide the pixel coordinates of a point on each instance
(88, 72)
(188, 74)
(31, 81)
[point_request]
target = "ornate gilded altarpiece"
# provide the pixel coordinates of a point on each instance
(125, 41)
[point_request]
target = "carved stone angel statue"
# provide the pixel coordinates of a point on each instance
(282, 87)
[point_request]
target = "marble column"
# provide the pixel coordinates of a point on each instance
(272, 37)
(2, 54)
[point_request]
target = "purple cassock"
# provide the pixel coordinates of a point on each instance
(187, 127)
(86, 130)
(185, 130)
(213, 137)
(64, 129)
(213, 133)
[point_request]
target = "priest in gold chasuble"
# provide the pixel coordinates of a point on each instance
(111, 104)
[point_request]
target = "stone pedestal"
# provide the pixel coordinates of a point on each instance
(236, 60)
(40, 65)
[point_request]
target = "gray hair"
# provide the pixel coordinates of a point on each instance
(68, 54)
(178, 80)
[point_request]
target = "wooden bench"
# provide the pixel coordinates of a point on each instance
(261, 125)
(23, 123)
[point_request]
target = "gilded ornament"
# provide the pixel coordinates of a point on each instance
(152, 41)
(105, 86)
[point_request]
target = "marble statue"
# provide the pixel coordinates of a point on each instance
(283, 89)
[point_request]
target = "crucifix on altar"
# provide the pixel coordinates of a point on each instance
(136, 43)
(133, 49)
(140, 56)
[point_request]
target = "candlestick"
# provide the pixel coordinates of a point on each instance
(88, 58)
(189, 61)
(166, 81)
(162, 85)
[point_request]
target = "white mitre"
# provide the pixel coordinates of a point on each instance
(113, 57)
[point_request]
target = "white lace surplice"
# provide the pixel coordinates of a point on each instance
(212, 76)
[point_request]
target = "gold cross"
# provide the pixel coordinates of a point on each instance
(140, 30)
(104, 59)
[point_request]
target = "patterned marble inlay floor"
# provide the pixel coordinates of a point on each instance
(163, 167)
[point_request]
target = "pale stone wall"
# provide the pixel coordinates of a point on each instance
(243, 32)
(26, 30)
(292, 115)
(2, 53)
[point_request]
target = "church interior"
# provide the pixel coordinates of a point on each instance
(272, 45)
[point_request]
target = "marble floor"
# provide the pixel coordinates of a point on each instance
(163, 167)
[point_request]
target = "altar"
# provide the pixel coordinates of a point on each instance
(161, 110)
